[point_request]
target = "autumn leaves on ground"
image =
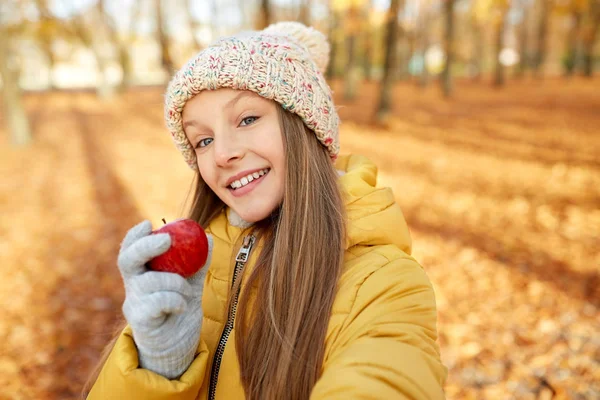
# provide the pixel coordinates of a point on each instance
(501, 190)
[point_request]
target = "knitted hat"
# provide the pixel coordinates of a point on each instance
(284, 62)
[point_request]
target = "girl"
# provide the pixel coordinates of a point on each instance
(310, 290)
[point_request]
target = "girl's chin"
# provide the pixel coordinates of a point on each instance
(253, 216)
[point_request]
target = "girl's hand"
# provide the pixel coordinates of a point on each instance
(163, 309)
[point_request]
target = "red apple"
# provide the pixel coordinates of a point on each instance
(188, 251)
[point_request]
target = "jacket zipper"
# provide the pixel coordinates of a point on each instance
(240, 260)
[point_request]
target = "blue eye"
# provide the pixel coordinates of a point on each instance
(204, 142)
(245, 121)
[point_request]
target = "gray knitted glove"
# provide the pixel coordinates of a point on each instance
(163, 309)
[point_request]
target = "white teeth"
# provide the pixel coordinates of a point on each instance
(247, 179)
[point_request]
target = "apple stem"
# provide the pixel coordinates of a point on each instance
(164, 222)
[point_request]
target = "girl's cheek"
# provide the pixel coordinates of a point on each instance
(204, 174)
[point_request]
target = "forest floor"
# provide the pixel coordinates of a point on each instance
(500, 188)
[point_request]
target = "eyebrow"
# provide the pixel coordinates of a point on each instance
(228, 105)
(191, 122)
(237, 98)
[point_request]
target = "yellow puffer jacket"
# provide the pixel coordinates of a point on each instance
(381, 340)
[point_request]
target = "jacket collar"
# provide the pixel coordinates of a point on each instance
(374, 217)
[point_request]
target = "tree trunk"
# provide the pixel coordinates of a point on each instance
(407, 53)
(45, 39)
(16, 117)
(424, 42)
(499, 73)
(104, 89)
(46, 45)
(590, 39)
(264, 15)
(352, 76)
(367, 39)
(542, 35)
(523, 44)
(333, 43)
(126, 65)
(478, 54)
(449, 41)
(385, 96)
(121, 46)
(572, 58)
(163, 40)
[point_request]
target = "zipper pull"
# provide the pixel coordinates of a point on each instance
(242, 255)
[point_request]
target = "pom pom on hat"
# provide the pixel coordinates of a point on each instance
(314, 41)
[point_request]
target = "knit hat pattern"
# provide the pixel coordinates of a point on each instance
(284, 62)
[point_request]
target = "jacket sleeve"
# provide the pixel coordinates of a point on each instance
(386, 347)
(121, 377)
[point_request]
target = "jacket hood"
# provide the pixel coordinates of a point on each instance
(374, 217)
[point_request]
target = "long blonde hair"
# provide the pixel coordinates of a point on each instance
(281, 351)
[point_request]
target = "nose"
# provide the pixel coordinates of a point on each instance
(227, 149)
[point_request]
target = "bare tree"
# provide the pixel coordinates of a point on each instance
(446, 75)
(16, 117)
(92, 40)
(121, 45)
(163, 39)
(193, 25)
(385, 96)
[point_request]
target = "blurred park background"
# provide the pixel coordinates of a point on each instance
(482, 115)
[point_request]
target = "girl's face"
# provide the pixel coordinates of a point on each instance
(239, 147)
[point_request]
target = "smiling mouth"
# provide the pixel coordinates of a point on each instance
(235, 185)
